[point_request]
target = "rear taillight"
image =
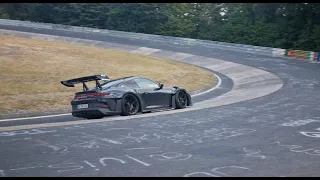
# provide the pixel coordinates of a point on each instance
(100, 94)
(91, 95)
(103, 106)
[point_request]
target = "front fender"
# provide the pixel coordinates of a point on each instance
(189, 103)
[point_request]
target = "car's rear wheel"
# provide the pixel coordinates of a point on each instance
(130, 105)
(181, 99)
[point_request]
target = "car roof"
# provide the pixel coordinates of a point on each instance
(128, 78)
(124, 80)
(131, 78)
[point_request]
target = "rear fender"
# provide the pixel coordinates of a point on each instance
(173, 101)
(189, 103)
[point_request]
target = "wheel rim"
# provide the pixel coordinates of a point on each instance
(182, 98)
(131, 104)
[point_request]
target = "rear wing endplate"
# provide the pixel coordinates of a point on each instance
(83, 80)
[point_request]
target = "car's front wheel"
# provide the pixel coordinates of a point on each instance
(130, 105)
(181, 99)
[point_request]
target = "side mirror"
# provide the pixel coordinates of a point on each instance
(160, 85)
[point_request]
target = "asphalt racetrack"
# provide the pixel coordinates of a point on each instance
(263, 120)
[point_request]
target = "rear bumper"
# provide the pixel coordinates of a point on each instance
(96, 107)
(84, 113)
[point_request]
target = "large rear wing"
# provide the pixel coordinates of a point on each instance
(83, 80)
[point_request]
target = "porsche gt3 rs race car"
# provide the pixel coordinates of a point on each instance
(125, 96)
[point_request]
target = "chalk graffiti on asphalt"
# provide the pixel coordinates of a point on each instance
(104, 161)
(254, 153)
(26, 132)
(215, 172)
(293, 148)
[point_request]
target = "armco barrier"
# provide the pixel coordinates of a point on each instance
(311, 56)
(269, 51)
(291, 53)
(278, 52)
(301, 54)
(315, 56)
(177, 40)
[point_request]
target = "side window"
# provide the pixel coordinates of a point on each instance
(130, 84)
(146, 83)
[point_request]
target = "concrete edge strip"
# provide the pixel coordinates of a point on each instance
(209, 103)
(211, 89)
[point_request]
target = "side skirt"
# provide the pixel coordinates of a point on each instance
(173, 101)
(118, 107)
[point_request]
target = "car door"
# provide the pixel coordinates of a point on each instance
(152, 95)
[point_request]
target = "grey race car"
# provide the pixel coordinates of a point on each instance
(125, 96)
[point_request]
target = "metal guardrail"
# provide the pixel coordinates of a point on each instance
(177, 40)
(269, 51)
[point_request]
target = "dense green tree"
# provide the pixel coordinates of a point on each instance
(179, 21)
(283, 25)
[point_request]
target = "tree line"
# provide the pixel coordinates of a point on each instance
(281, 25)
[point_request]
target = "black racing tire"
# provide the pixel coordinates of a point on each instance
(129, 105)
(181, 99)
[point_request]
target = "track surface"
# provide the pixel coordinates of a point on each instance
(275, 135)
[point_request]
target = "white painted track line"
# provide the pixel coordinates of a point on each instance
(209, 90)
(37, 117)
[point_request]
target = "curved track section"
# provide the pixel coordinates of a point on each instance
(273, 135)
(248, 82)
